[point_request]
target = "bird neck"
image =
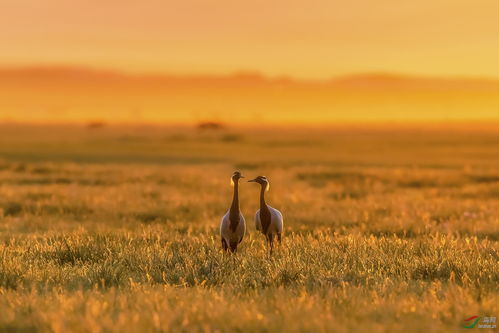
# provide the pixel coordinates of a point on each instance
(263, 205)
(265, 217)
(234, 208)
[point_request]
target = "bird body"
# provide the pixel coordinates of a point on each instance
(276, 221)
(230, 235)
(233, 225)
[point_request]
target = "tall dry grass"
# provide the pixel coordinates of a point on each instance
(116, 230)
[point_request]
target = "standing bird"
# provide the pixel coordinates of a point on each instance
(233, 226)
(268, 220)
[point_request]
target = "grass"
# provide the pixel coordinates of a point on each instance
(106, 235)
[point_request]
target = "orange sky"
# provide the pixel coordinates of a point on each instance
(305, 38)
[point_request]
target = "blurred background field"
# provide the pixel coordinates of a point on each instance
(122, 121)
(114, 228)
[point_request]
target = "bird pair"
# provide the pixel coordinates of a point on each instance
(268, 220)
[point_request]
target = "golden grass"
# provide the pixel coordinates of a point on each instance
(115, 229)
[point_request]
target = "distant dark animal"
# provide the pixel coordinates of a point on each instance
(210, 125)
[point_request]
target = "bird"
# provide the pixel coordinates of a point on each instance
(268, 220)
(233, 225)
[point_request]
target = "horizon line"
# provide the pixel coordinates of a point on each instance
(239, 73)
(470, 123)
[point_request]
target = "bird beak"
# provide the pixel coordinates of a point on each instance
(241, 176)
(252, 181)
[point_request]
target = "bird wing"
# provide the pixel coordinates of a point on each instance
(258, 223)
(242, 227)
(224, 224)
(277, 219)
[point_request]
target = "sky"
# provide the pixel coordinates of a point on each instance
(300, 38)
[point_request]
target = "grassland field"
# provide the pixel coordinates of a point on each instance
(115, 229)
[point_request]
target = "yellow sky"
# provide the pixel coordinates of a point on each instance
(302, 38)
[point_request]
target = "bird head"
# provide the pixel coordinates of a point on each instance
(235, 177)
(262, 180)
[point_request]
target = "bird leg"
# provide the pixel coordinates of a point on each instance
(233, 247)
(224, 245)
(271, 242)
